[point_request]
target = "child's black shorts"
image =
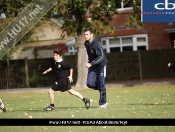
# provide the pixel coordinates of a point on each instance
(56, 87)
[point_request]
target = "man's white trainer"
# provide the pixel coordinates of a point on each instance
(103, 106)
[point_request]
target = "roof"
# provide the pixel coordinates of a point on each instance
(124, 32)
(71, 42)
(44, 43)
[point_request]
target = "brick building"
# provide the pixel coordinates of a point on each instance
(150, 37)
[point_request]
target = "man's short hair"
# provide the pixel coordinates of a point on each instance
(89, 29)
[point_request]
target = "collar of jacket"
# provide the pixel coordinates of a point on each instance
(91, 41)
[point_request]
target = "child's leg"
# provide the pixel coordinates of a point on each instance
(85, 100)
(51, 95)
(75, 93)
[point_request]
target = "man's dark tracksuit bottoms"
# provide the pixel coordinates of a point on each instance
(97, 72)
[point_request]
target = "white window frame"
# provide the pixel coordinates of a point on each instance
(71, 44)
(124, 9)
(73, 50)
(135, 43)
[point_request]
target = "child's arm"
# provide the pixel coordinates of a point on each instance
(48, 70)
(70, 76)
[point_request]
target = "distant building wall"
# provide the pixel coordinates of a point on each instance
(158, 38)
(21, 54)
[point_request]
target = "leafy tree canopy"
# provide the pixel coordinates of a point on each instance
(11, 8)
(135, 17)
(79, 14)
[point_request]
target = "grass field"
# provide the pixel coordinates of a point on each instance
(141, 101)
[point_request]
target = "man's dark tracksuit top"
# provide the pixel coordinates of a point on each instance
(95, 53)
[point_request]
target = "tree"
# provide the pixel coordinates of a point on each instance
(135, 18)
(11, 8)
(79, 14)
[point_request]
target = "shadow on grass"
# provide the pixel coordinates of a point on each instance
(152, 104)
(27, 110)
(56, 109)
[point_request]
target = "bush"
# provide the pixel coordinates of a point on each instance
(36, 78)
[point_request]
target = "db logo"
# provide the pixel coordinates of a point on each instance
(165, 6)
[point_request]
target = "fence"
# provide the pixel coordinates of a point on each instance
(121, 66)
(140, 65)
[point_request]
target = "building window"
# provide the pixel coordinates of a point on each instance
(141, 47)
(115, 49)
(125, 43)
(72, 50)
(124, 5)
(141, 39)
(128, 48)
(114, 42)
(104, 43)
(127, 40)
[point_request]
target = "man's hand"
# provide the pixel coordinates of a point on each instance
(88, 65)
(169, 64)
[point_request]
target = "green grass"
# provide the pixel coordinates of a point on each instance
(143, 101)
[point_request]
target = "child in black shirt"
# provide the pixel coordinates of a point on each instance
(64, 72)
